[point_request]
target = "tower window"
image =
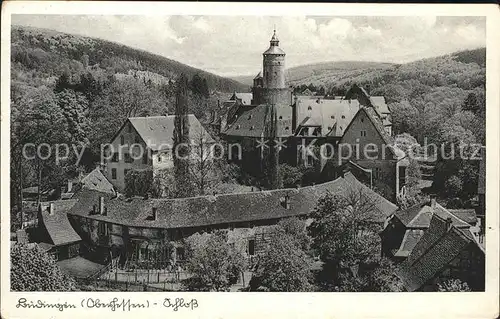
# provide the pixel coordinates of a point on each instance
(122, 140)
(332, 117)
(281, 117)
(309, 108)
(287, 128)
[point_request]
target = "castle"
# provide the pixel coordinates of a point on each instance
(356, 118)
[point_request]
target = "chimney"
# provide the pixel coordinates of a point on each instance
(69, 186)
(448, 223)
(101, 205)
(285, 201)
(51, 209)
(153, 213)
(433, 202)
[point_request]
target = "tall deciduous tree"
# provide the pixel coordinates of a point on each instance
(182, 144)
(285, 264)
(345, 234)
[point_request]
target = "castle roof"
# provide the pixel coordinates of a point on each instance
(226, 208)
(333, 115)
(419, 216)
(252, 123)
(274, 50)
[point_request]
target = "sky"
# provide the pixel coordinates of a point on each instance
(233, 45)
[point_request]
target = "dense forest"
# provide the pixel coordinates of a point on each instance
(437, 100)
(79, 90)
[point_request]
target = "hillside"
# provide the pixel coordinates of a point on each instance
(50, 52)
(318, 73)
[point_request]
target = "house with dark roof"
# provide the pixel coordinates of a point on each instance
(444, 252)
(55, 234)
(367, 150)
(147, 143)
(137, 229)
(407, 227)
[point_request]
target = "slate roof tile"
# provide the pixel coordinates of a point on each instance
(222, 209)
(58, 227)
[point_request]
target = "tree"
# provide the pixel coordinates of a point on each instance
(291, 175)
(138, 182)
(32, 269)
(203, 167)
(214, 264)
(163, 184)
(181, 147)
(453, 285)
(285, 264)
(345, 235)
(471, 103)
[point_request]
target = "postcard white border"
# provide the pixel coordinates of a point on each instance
(286, 305)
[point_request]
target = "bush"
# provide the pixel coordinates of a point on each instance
(214, 264)
(32, 269)
(138, 182)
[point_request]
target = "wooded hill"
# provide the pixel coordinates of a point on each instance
(49, 52)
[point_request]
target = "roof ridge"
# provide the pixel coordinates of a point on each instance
(450, 213)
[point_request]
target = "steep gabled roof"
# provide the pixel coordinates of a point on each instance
(252, 123)
(58, 227)
(440, 244)
(95, 180)
(410, 239)
(157, 131)
(223, 209)
(420, 215)
(245, 98)
(334, 116)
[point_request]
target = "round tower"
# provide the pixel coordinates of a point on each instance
(274, 65)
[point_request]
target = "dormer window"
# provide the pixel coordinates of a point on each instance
(281, 117)
(238, 127)
(252, 128)
(309, 108)
(343, 116)
(250, 117)
(332, 117)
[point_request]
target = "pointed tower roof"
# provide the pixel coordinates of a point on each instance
(274, 47)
